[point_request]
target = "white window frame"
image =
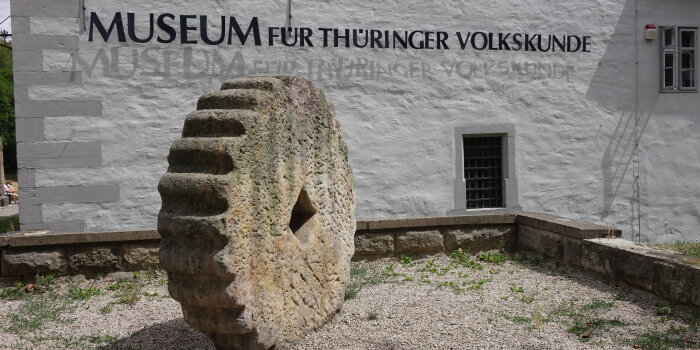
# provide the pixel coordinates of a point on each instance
(676, 49)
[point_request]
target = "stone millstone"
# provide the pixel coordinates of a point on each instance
(257, 221)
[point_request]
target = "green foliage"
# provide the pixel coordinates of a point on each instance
(107, 308)
(406, 260)
(372, 316)
(455, 288)
(515, 288)
(20, 290)
(673, 338)
(357, 270)
(45, 281)
(390, 270)
(476, 284)
(463, 258)
(520, 319)
(37, 311)
(130, 293)
(7, 108)
(432, 266)
(567, 310)
(582, 321)
(599, 304)
(584, 327)
(687, 248)
(663, 310)
(494, 258)
(77, 293)
(10, 224)
(365, 275)
(13, 293)
(527, 299)
(126, 293)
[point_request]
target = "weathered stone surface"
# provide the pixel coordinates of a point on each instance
(257, 220)
(419, 242)
(9, 281)
(141, 256)
(90, 261)
(665, 273)
(478, 239)
(374, 244)
(32, 262)
(119, 275)
(549, 244)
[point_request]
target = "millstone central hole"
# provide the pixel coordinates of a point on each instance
(301, 213)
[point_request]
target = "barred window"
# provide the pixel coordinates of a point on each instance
(483, 171)
(679, 58)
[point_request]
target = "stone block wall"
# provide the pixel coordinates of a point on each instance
(590, 247)
(89, 254)
(433, 240)
(557, 238)
(663, 272)
(425, 236)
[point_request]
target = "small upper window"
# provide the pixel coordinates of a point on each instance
(679, 59)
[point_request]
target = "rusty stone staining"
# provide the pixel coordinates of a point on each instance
(257, 221)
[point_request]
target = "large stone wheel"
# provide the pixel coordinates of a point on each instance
(257, 221)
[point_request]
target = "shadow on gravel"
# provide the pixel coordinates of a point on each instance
(171, 335)
(620, 290)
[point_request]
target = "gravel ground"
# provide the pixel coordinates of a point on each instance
(431, 303)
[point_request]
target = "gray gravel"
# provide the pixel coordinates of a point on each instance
(395, 307)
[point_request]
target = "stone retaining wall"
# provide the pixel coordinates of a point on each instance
(591, 247)
(377, 239)
(666, 273)
(25, 255)
(557, 238)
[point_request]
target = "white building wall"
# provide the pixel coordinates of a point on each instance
(577, 117)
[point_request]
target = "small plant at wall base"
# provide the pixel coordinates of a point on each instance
(10, 224)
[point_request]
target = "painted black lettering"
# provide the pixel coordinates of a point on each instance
(463, 41)
(116, 24)
(570, 39)
(325, 32)
(166, 28)
(539, 43)
(491, 42)
(502, 41)
(184, 28)
(205, 36)
(442, 40)
(253, 28)
(560, 44)
(484, 41)
(518, 44)
(412, 43)
(586, 43)
(131, 25)
(305, 37)
(402, 40)
(529, 42)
